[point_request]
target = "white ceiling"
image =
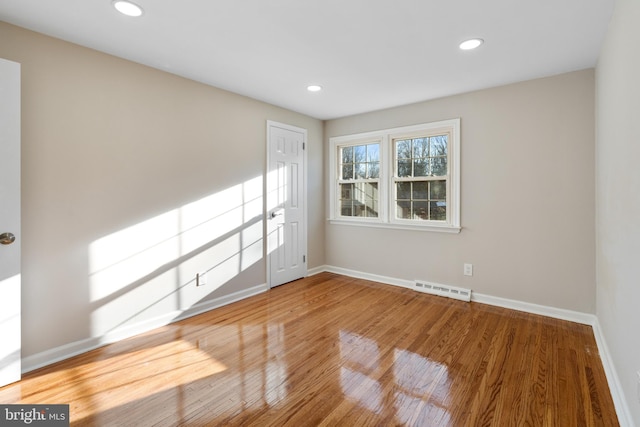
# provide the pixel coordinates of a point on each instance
(366, 54)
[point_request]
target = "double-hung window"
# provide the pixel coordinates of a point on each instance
(359, 180)
(405, 177)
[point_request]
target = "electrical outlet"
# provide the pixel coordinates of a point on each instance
(201, 279)
(468, 269)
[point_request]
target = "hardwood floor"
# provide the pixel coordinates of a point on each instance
(332, 350)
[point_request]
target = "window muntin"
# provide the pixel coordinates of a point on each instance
(407, 177)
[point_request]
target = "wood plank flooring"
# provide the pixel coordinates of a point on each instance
(331, 350)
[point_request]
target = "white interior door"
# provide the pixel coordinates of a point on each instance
(286, 204)
(10, 340)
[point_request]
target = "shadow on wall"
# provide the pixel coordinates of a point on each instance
(149, 270)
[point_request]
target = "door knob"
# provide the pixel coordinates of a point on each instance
(7, 238)
(275, 214)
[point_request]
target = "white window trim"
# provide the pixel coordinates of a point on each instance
(386, 218)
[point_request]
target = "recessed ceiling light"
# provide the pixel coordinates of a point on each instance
(471, 44)
(314, 88)
(127, 8)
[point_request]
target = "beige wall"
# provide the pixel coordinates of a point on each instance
(618, 196)
(114, 155)
(527, 196)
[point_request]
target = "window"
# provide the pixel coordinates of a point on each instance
(405, 177)
(420, 178)
(359, 180)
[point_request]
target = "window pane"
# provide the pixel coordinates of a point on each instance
(420, 148)
(420, 190)
(360, 153)
(403, 149)
(403, 190)
(439, 145)
(439, 166)
(438, 211)
(346, 191)
(358, 193)
(373, 153)
(372, 208)
(347, 155)
(347, 171)
(420, 210)
(346, 202)
(420, 167)
(370, 190)
(438, 190)
(361, 170)
(404, 168)
(403, 209)
(374, 170)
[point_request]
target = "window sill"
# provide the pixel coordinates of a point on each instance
(395, 226)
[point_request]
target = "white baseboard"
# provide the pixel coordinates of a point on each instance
(368, 276)
(615, 387)
(617, 394)
(527, 307)
(315, 270)
(66, 351)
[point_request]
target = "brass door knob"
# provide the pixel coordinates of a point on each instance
(7, 238)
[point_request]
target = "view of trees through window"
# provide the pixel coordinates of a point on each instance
(419, 164)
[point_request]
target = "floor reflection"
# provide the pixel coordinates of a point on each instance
(422, 386)
(418, 384)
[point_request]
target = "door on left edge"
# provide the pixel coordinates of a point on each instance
(10, 341)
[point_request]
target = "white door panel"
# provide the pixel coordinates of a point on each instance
(286, 212)
(10, 339)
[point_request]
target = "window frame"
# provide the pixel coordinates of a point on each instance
(387, 177)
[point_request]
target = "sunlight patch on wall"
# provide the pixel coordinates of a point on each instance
(130, 254)
(149, 269)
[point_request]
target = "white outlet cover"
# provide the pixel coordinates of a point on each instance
(468, 270)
